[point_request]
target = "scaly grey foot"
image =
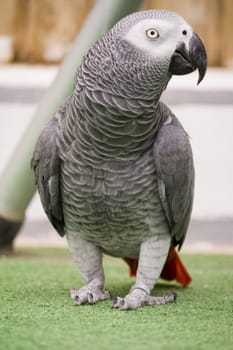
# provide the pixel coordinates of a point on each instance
(139, 298)
(88, 295)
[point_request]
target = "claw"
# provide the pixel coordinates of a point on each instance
(174, 295)
(118, 302)
(106, 295)
(77, 300)
(90, 298)
(114, 302)
(88, 295)
(73, 293)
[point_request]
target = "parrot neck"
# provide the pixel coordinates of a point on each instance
(115, 104)
(107, 127)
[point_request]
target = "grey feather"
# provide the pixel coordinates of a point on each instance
(46, 166)
(174, 163)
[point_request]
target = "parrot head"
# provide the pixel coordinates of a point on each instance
(164, 40)
(137, 57)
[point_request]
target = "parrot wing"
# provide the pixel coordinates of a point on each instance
(175, 172)
(174, 163)
(46, 166)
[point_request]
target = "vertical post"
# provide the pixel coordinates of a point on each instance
(17, 184)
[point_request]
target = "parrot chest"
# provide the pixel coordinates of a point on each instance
(115, 206)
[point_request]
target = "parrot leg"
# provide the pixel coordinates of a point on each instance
(89, 260)
(153, 254)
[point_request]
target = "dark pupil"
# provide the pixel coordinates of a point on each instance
(152, 32)
(184, 32)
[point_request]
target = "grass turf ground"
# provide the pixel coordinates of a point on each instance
(36, 311)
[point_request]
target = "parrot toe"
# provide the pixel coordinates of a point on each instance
(118, 302)
(138, 298)
(166, 299)
(88, 295)
(132, 301)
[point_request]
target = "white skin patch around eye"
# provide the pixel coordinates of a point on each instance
(170, 33)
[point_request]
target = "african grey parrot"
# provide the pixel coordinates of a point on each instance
(114, 166)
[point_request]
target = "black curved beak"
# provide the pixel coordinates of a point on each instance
(185, 60)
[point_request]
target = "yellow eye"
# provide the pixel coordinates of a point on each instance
(152, 33)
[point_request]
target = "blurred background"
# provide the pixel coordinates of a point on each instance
(42, 31)
(35, 36)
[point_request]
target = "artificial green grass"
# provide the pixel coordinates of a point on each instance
(36, 311)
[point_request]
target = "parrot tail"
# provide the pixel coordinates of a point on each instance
(173, 268)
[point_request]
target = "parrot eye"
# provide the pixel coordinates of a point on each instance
(152, 33)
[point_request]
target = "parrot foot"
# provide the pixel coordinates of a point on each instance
(139, 298)
(88, 295)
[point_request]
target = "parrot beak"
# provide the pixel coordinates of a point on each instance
(185, 60)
